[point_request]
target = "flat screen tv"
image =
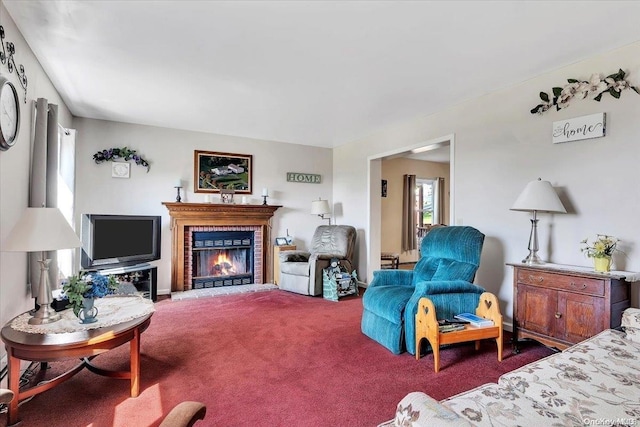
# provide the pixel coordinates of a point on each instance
(118, 240)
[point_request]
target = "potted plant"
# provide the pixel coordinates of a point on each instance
(601, 250)
(89, 286)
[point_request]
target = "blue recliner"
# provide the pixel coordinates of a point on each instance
(444, 274)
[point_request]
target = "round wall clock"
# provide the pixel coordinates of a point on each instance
(9, 114)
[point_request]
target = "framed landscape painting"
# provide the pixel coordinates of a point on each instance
(222, 171)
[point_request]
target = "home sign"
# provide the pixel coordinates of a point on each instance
(576, 129)
(308, 178)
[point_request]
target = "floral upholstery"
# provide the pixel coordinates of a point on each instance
(595, 381)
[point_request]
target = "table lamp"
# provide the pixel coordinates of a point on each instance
(42, 230)
(321, 208)
(537, 196)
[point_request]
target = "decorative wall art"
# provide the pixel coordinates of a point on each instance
(215, 171)
(6, 57)
(307, 178)
(120, 170)
(579, 128)
(384, 188)
(117, 154)
(597, 86)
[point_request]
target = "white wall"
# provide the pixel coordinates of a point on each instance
(15, 295)
(171, 154)
(499, 147)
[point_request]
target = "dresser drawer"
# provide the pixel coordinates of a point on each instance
(562, 282)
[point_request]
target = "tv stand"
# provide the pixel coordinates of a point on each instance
(144, 277)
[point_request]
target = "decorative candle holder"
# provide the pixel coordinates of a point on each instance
(264, 200)
(178, 198)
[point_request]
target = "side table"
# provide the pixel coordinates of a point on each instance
(427, 327)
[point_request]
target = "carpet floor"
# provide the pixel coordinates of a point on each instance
(263, 359)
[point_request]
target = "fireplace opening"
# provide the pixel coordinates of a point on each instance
(222, 258)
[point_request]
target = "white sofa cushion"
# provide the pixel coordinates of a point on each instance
(631, 324)
(596, 379)
(420, 409)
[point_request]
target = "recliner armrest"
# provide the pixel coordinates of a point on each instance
(294, 256)
(447, 287)
(391, 277)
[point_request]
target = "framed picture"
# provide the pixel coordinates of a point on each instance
(384, 188)
(120, 170)
(281, 241)
(222, 171)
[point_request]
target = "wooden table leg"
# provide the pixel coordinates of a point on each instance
(134, 349)
(14, 386)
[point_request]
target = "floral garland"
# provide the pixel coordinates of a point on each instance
(113, 154)
(614, 84)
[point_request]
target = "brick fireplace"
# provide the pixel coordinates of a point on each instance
(231, 244)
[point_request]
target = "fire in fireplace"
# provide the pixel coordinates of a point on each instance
(222, 258)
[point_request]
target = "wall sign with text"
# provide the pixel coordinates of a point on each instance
(576, 129)
(307, 178)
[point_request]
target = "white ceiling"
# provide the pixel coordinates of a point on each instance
(319, 73)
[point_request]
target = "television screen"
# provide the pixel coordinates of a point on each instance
(116, 240)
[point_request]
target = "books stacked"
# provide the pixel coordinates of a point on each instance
(450, 325)
(474, 320)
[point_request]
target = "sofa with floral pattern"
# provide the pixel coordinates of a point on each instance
(595, 382)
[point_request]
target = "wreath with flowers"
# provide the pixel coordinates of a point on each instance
(125, 153)
(597, 86)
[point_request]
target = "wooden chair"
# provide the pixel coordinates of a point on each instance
(185, 414)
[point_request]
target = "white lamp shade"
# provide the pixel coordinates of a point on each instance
(320, 207)
(41, 229)
(539, 196)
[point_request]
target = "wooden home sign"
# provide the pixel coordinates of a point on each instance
(308, 178)
(585, 127)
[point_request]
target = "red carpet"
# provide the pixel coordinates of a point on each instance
(263, 359)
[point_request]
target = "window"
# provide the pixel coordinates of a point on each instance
(428, 206)
(66, 187)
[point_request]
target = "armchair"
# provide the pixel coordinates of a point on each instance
(301, 271)
(450, 257)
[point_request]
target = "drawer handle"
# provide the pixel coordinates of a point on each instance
(538, 279)
(584, 286)
(558, 315)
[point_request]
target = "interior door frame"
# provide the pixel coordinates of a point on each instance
(374, 175)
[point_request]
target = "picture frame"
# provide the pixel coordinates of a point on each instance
(281, 241)
(120, 170)
(214, 171)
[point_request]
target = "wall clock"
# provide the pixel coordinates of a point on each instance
(9, 114)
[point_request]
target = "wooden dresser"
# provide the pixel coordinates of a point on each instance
(560, 305)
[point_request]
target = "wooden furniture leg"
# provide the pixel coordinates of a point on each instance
(134, 349)
(489, 308)
(14, 386)
(427, 327)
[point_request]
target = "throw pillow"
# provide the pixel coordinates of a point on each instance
(449, 269)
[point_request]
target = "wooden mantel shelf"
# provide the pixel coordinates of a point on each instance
(184, 215)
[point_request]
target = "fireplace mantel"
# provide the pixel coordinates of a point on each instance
(185, 215)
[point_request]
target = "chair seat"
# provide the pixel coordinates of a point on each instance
(388, 302)
(295, 268)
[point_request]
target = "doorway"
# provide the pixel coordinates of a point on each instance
(385, 223)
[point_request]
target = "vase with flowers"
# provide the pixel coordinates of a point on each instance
(601, 250)
(82, 290)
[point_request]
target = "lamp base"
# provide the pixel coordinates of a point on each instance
(44, 315)
(533, 259)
